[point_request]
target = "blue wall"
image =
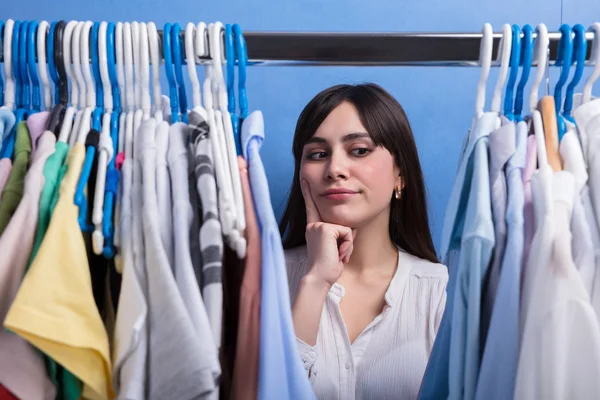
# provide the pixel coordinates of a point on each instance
(439, 101)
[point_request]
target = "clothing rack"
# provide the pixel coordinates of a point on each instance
(374, 49)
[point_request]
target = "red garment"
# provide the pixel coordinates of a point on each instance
(6, 395)
(245, 372)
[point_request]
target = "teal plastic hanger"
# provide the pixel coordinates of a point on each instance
(230, 55)
(526, 59)
(36, 99)
(564, 59)
(242, 57)
(515, 57)
(168, 57)
(177, 48)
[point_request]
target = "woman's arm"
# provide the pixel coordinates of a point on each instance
(307, 308)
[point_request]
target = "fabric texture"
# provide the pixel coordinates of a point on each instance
(281, 372)
(163, 189)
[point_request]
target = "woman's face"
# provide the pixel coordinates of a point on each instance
(351, 180)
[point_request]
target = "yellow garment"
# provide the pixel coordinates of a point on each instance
(55, 309)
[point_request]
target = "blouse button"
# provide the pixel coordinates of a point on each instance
(347, 364)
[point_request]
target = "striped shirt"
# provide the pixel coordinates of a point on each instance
(211, 240)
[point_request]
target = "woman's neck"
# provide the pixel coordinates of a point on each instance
(373, 247)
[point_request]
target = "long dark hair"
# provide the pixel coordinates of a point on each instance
(387, 124)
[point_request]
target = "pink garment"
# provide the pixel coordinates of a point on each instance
(5, 168)
(37, 125)
(22, 369)
(528, 214)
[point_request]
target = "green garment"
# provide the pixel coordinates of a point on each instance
(15, 184)
(68, 386)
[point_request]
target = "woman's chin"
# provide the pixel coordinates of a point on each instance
(343, 219)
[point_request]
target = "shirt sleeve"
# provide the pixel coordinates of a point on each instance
(308, 355)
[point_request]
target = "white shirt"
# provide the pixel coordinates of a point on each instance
(560, 349)
(388, 359)
(163, 189)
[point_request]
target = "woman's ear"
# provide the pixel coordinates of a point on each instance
(399, 182)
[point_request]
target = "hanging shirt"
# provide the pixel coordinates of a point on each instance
(22, 368)
(7, 121)
(36, 123)
(245, 373)
(178, 367)
(211, 239)
(582, 247)
(587, 117)
(500, 357)
(281, 373)
(66, 328)
(388, 358)
(183, 268)
(13, 190)
(5, 168)
(528, 221)
(502, 147)
(560, 350)
(130, 352)
(163, 190)
(467, 244)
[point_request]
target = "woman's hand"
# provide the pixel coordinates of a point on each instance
(328, 246)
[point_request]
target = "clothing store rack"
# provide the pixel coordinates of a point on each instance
(373, 49)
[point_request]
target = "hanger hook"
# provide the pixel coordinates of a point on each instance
(504, 56)
(97, 57)
(515, 61)
(85, 55)
(32, 66)
(42, 38)
(190, 56)
(1, 52)
(485, 60)
(144, 69)
(242, 54)
(103, 67)
(155, 56)
(563, 59)
(595, 60)
(25, 84)
(579, 55)
(167, 55)
(10, 87)
(230, 57)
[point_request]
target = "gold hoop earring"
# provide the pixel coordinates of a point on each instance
(398, 193)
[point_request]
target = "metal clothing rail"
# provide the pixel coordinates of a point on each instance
(373, 49)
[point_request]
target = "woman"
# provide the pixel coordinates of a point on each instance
(367, 290)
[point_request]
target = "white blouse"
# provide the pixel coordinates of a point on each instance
(388, 359)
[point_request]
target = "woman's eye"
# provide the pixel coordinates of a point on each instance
(317, 155)
(363, 151)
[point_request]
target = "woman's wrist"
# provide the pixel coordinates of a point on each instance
(315, 284)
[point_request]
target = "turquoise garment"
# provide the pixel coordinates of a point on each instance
(467, 245)
(501, 355)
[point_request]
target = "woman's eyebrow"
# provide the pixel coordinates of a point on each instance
(346, 138)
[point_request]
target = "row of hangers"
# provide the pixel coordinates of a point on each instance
(112, 95)
(518, 50)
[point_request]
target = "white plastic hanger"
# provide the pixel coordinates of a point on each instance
(228, 212)
(541, 55)
(135, 37)
(505, 45)
(90, 92)
(485, 59)
(227, 129)
(9, 86)
(129, 124)
(144, 71)
(595, 58)
(103, 156)
(68, 125)
(191, 66)
(120, 67)
(42, 33)
(155, 56)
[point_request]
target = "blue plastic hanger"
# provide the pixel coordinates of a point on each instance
(19, 54)
(167, 55)
(579, 55)
(25, 85)
(177, 46)
(231, 55)
(97, 113)
(564, 58)
(515, 58)
(526, 59)
(242, 57)
(36, 98)
(1, 47)
(112, 174)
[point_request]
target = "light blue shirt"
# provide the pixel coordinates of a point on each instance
(467, 244)
(501, 354)
(281, 374)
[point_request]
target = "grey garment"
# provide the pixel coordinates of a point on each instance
(163, 189)
(183, 268)
(502, 147)
(195, 250)
(177, 368)
(211, 239)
